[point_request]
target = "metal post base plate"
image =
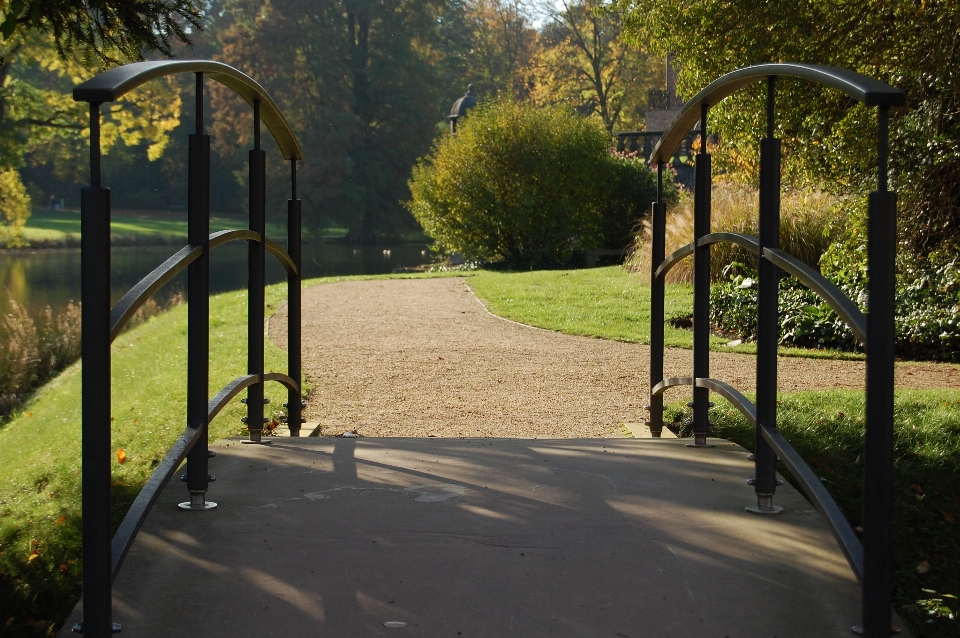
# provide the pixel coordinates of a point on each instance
(858, 630)
(764, 506)
(115, 628)
(256, 438)
(700, 440)
(198, 503)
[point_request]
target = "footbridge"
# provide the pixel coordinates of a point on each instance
(339, 536)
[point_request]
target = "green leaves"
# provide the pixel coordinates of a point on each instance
(528, 186)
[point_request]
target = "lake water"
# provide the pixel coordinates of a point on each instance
(37, 278)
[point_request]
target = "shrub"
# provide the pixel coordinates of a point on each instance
(927, 319)
(809, 222)
(527, 186)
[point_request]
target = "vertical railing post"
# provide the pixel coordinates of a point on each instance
(294, 397)
(878, 440)
(256, 281)
(701, 287)
(198, 309)
(657, 250)
(95, 392)
(768, 317)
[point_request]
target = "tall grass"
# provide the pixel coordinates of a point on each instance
(34, 349)
(808, 225)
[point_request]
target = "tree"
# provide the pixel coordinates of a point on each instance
(501, 45)
(50, 45)
(109, 29)
(41, 124)
(912, 45)
(356, 79)
(583, 61)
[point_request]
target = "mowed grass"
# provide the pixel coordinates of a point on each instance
(62, 228)
(827, 430)
(610, 302)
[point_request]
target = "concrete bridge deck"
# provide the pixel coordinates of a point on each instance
(483, 537)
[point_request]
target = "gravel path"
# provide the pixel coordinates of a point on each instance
(421, 357)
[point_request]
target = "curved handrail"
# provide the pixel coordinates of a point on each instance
(224, 236)
(728, 392)
(828, 508)
(673, 259)
(113, 84)
(282, 256)
(841, 304)
(121, 313)
(744, 241)
(146, 287)
(731, 394)
(864, 89)
(232, 389)
(672, 382)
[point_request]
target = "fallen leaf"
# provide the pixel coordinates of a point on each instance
(61, 520)
(34, 555)
(916, 488)
(117, 483)
(63, 567)
(10, 620)
(29, 413)
(947, 516)
(923, 567)
(121, 456)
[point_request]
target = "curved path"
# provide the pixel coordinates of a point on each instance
(421, 357)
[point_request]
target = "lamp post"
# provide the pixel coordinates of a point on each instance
(461, 106)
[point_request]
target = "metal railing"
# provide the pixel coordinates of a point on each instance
(102, 558)
(871, 561)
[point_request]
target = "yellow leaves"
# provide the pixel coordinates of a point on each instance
(34, 551)
(60, 520)
(121, 456)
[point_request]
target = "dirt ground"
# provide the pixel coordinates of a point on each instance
(423, 357)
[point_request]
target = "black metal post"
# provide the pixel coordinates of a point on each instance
(95, 389)
(768, 317)
(657, 254)
(701, 287)
(294, 406)
(198, 309)
(256, 280)
(878, 442)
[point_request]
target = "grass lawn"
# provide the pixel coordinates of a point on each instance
(62, 228)
(609, 303)
(40, 447)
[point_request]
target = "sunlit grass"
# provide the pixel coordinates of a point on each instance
(62, 227)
